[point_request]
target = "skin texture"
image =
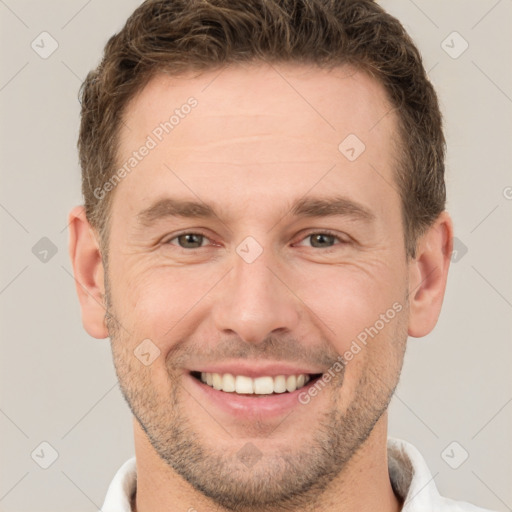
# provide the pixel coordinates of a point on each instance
(260, 138)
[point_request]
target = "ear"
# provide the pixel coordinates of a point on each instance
(428, 273)
(87, 264)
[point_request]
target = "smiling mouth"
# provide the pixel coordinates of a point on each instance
(259, 386)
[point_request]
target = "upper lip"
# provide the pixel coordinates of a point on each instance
(255, 369)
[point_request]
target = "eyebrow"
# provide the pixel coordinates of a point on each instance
(304, 207)
(330, 206)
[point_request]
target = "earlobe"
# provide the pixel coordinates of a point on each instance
(428, 273)
(88, 271)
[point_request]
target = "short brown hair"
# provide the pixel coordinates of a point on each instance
(177, 36)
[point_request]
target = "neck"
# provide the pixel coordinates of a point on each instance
(363, 486)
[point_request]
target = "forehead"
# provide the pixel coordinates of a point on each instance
(258, 131)
(332, 100)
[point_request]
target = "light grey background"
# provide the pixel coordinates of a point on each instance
(58, 385)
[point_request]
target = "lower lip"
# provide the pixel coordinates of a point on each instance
(243, 406)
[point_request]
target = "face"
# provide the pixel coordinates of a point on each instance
(284, 287)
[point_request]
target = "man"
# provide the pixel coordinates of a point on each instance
(264, 226)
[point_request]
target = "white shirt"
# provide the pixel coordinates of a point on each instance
(408, 471)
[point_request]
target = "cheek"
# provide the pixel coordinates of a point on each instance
(158, 302)
(349, 301)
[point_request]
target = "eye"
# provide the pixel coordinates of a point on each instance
(188, 240)
(323, 239)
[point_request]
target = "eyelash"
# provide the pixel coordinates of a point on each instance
(307, 235)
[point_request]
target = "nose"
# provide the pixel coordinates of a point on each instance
(255, 300)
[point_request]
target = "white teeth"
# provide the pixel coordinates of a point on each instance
(260, 385)
(279, 384)
(263, 385)
(217, 381)
(244, 384)
(291, 383)
(228, 383)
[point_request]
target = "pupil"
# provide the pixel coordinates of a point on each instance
(190, 241)
(322, 237)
